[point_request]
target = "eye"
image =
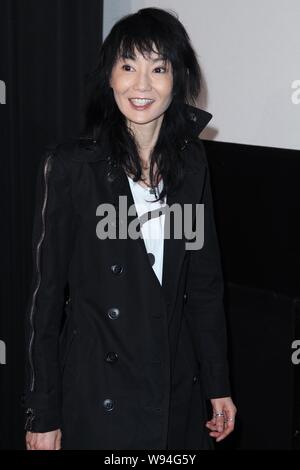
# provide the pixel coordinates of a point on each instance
(162, 68)
(126, 65)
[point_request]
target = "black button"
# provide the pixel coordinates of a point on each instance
(195, 378)
(108, 404)
(185, 297)
(117, 269)
(113, 313)
(111, 357)
(151, 258)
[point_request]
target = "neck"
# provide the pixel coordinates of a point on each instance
(146, 136)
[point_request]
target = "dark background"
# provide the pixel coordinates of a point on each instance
(257, 205)
(47, 47)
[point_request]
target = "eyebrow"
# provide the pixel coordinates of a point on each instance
(158, 59)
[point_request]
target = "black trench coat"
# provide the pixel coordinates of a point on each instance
(135, 361)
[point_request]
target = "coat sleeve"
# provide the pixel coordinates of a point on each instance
(51, 250)
(204, 308)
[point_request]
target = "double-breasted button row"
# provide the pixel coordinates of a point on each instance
(117, 269)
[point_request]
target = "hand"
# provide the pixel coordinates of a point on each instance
(43, 440)
(222, 422)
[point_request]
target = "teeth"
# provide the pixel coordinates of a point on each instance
(141, 101)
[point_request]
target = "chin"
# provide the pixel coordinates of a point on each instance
(141, 117)
(142, 120)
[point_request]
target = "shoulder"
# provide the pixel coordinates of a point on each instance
(76, 150)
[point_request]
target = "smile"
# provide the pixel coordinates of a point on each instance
(140, 103)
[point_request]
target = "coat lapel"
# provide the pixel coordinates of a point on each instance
(174, 248)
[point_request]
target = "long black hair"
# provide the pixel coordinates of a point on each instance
(142, 30)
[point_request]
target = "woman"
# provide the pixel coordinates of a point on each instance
(143, 343)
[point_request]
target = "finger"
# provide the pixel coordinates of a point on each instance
(211, 422)
(211, 426)
(217, 421)
(220, 422)
(213, 419)
(229, 422)
(226, 432)
(229, 417)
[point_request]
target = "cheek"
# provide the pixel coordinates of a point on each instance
(166, 85)
(120, 99)
(121, 85)
(166, 89)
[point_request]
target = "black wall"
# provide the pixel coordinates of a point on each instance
(257, 207)
(46, 49)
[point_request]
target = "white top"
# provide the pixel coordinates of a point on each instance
(152, 229)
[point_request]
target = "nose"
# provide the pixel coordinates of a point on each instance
(143, 81)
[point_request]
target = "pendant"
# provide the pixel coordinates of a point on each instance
(152, 191)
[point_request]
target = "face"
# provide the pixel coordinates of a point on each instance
(142, 87)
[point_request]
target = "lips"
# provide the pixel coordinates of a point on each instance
(140, 103)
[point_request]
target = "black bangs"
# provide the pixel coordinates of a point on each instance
(145, 45)
(149, 31)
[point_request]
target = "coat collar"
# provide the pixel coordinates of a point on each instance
(197, 119)
(89, 150)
